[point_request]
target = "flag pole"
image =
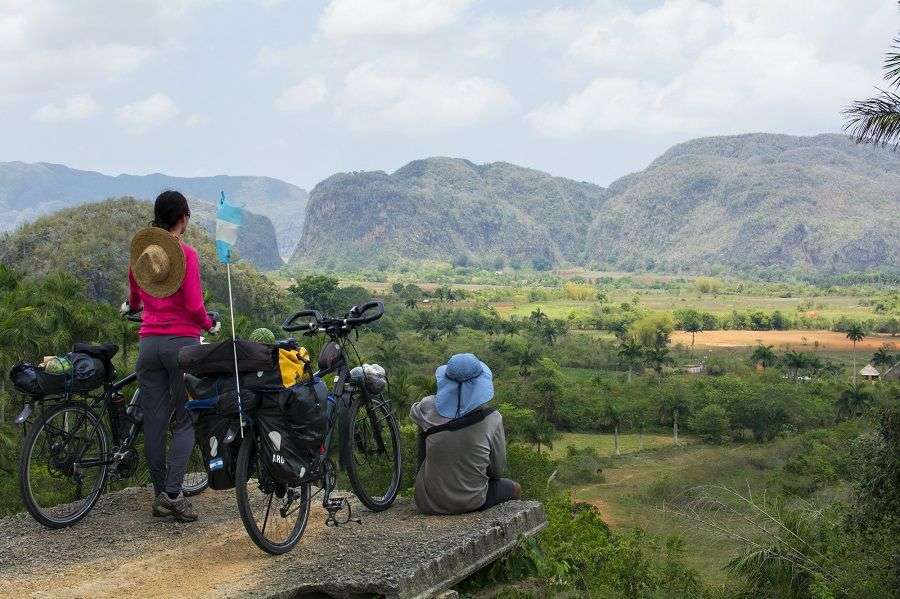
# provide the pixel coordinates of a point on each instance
(237, 378)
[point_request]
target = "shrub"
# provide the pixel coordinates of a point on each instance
(580, 466)
(711, 424)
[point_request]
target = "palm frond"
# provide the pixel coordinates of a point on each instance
(892, 63)
(876, 120)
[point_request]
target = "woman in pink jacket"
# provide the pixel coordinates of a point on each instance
(164, 281)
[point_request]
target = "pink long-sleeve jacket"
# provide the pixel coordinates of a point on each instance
(183, 313)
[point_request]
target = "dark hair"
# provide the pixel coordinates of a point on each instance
(169, 207)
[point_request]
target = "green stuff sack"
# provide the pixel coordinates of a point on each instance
(262, 335)
(58, 366)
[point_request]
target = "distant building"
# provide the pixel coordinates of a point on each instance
(892, 373)
(870, 372)
(695, 368)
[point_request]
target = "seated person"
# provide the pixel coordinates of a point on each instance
(462, 446)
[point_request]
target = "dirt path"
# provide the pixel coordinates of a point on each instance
(120, 550)
(797, 339)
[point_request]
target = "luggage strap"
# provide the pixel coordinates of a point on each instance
(473, 417)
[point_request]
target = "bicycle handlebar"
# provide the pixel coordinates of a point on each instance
(316, 316)
(355, 317)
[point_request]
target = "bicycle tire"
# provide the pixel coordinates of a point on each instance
(351, 429)
(25, 465)
(245, 466)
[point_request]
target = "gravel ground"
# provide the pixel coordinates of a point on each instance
(121, 550)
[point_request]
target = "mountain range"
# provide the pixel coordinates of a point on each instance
(745, 202)
(444, 208)
(752, 202)
(29, 190)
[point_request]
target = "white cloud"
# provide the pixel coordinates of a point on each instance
(80, 106)
(144, 115)
(351, 18)
(379, 98)
(302, 96)
(49, 45)
(694, 67)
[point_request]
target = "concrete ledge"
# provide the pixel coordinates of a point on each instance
(121, 550)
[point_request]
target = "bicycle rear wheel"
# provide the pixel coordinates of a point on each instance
(274, 515)
(372, 452)
(195, 479)
(63, 465)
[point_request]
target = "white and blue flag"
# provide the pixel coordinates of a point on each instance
(228, 220)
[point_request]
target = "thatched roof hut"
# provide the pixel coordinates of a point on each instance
(892, 373)
(869, 372)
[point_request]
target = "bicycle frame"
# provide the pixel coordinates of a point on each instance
(99, 404)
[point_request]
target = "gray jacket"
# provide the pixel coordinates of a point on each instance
(453, 479)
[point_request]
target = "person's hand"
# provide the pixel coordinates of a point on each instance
(217, 324)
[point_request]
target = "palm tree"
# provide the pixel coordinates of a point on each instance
(763, 355)
(877, 120)
(853, 400)
(612, 416)
(631, 352)
(524, 356)
(692, 324)
(884, 356)
(411, 302)
(855, 334)
(657, 357)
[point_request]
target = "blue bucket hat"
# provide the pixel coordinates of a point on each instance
(463, 384)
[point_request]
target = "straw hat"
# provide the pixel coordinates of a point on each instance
(157, 261)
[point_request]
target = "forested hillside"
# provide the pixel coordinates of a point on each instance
(753, 201)
(91, 243)
(448, 209)
(31, 190)
(741, 203)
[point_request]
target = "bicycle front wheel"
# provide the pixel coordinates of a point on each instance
(274, 515)
(372, 453)
(63, 465)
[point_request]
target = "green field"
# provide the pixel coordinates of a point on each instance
(646, 490)
(605, 445)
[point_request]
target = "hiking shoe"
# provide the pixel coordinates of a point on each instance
(160, 509)
(179, 507)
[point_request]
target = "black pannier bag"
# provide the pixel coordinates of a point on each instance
(219, 457)
(287, 461)
(218, 358)
(292, 425)
(88, 373)
(305, 407)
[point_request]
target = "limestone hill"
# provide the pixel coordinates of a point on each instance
(91, 243)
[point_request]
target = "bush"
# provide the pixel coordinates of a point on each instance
(711, 424)
(581, 466)
(531, 469)
(578, 556)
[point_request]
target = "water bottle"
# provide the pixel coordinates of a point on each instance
(117, 403)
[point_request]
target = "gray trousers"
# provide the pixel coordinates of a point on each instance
(162, 400)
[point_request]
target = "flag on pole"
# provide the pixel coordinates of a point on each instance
(228, 220)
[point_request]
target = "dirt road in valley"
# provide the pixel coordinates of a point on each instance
(797, 339)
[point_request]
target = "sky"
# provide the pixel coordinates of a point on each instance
(302, 89)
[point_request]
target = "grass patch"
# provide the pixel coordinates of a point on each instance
(641, 489)
(604, 443)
